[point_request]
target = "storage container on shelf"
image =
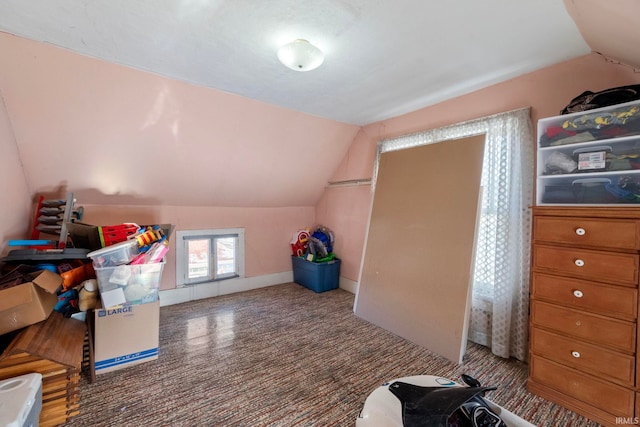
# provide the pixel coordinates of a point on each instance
(589, 190)
(114, 255)
(590, 158)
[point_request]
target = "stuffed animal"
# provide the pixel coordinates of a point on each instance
(88, 295)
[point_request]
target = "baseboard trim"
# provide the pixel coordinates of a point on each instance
(231, 286)
(223, 287)
(348, 285)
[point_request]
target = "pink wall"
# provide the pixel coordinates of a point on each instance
(267, 230)
(343, 209)
(133, 146)
(15, 201)
(546, 91)
(73, 119)
(116, 135)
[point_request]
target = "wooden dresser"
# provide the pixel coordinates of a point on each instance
(584, 307)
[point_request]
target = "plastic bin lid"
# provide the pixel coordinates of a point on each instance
(112, 248)
(17, 398)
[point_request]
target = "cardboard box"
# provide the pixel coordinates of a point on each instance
(30, 302)
(125, 336)
(84, 235)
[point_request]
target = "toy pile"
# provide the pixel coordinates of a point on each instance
(146, 245)
(316, 246)
(84, 283)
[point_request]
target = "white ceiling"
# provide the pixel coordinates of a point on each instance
(383, 58)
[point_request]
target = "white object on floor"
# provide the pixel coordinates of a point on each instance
(383, 409)
(21, 401)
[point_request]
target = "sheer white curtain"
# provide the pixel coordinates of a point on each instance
(500, 302)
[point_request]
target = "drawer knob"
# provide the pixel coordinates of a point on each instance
(575, 354)
(580, 231)
(579, 263)
(578, 294)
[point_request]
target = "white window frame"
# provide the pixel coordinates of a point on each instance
(182, 254)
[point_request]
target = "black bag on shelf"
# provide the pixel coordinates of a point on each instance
(589, 100)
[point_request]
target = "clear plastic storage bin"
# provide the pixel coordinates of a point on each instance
(615, 121)
(590, 158)
(118, 254)
(129, 284)
(600, 189)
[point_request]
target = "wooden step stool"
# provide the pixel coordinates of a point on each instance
(53, 348)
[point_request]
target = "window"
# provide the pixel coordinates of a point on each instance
(209, 255)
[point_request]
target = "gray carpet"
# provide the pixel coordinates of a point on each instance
(283, 356)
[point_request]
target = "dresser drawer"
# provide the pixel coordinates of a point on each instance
(610, 300)
(601, 394)
(618, 334)
(584, 357)
(604, 233)
(593, 265)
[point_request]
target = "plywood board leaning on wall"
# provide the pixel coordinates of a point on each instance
(416, 271)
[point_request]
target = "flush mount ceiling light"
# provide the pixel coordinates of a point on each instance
(300, 55)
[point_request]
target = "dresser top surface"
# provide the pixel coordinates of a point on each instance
(591, 212)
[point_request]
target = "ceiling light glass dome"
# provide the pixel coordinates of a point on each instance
(300, 55)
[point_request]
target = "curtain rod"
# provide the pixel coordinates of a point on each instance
(466, 122)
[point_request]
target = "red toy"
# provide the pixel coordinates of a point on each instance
(299, 242)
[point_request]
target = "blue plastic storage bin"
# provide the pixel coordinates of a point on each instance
(317, 276)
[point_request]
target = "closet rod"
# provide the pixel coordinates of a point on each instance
(349, 182)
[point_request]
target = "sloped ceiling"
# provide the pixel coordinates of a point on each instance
(115, 135)
(611, 28)
(185, 103)
(383, 58)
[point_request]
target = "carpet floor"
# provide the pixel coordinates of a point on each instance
(284, 356)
